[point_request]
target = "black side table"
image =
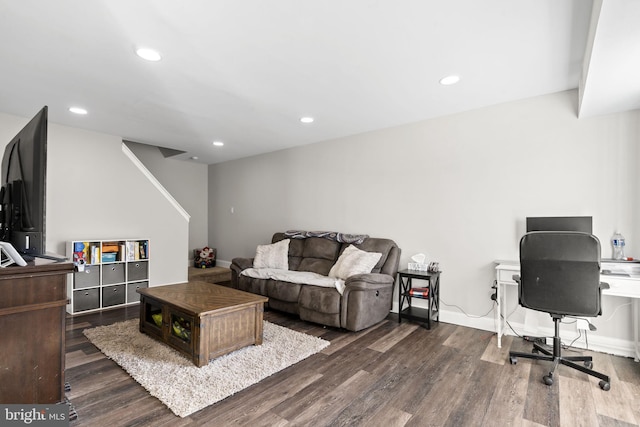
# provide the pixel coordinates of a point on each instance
(427, 315)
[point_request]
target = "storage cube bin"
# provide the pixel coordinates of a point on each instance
(113, 295)
(112, 273)
(86, 299)
(132, 295)
(88, 278)
(137, 270)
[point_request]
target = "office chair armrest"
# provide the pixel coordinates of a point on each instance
(604, 285)
(516, 278)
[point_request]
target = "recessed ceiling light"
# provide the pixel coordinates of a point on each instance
(194, 157)
(218, 143)
(78, 110)
(449, 80)
(148, 54)
(306, 119)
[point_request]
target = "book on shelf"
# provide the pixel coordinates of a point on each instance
(137, 250)
(131, 251)
(419, 292)
(95, 254)
(143, 250)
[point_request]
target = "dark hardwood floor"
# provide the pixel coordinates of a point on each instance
(389, 375)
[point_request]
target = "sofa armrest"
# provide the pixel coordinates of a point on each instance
(368, 281)
(241, 263)
(237, 265)
(366, 300)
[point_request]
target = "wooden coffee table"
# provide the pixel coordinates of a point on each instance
(201, 320)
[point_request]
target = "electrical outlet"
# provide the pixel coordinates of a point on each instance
(582, 324)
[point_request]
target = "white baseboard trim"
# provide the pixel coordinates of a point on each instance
(221, 263)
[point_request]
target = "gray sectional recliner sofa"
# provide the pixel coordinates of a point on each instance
(350, 299)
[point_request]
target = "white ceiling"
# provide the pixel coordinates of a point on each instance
(245, 71)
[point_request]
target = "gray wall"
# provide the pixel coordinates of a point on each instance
(94, 191)
(457, 188)
(187, 182)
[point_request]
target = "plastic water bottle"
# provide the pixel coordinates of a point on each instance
(617, 241)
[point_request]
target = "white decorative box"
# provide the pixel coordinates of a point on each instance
(418, 266)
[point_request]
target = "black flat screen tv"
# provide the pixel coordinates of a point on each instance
(583, 224)
(23, 192)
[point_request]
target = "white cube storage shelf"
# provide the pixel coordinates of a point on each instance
(108, 273)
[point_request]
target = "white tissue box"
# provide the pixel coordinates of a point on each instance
(417, 266)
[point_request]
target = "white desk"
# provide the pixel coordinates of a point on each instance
(628, 287)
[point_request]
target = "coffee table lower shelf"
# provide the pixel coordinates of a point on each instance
(201, 320)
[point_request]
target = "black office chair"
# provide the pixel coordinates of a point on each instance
(560, 275)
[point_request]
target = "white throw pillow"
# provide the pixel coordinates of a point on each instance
(275, 255)
(354, 261)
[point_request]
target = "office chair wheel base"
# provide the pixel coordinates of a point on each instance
(604, 385)
(548, 379)
(588, 364)
(513, 360)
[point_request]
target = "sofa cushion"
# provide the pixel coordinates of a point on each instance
(283, 291)
(383, 246)
(354, 261)
(319, 255)
(320, 305)
(249, 284)
(275, 255)
(296, 249)
(320, 266)
(322, 300)
(317, 247)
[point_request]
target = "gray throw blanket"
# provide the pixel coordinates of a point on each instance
(355, 239)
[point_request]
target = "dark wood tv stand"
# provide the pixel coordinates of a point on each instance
(33, 303)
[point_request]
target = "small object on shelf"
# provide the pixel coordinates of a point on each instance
(110, 247)
(205, 257)
(419, 263)
(157, 319)
(10, 255)
(131, 250)
(416, 266)
(109, 256)
(95, 254)
(419, 292)
(182, 329)
(80, 253)
(419, 258)
(142, 250)
(618, 243)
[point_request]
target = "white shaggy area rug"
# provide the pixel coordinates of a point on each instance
(184, 387)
